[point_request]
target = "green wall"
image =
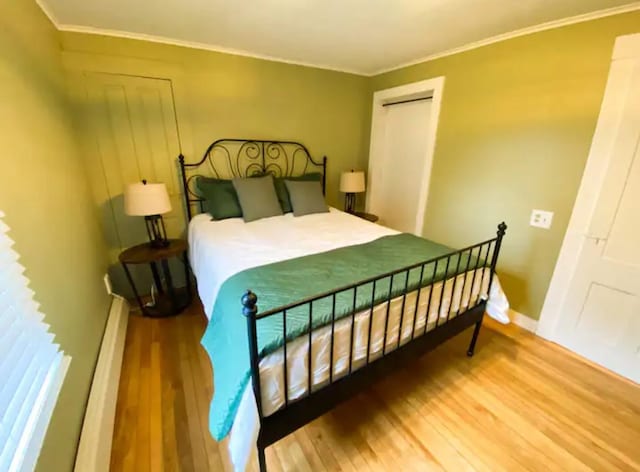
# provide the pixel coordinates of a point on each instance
(515, 129)
(44, 193)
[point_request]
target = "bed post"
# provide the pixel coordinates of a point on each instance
(502, 228)
(185, 186)
(324, 175)
(250, 310)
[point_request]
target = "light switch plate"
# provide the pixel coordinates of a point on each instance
(541, 218)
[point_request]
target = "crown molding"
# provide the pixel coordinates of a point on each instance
(239, 52)
(517, 33)
(196, 45)
(48, 13)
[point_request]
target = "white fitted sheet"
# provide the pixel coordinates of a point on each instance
(220, 249)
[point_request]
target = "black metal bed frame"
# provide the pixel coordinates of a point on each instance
(297, 412)
(229, 158)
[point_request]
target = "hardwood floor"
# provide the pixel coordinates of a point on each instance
(520, 404)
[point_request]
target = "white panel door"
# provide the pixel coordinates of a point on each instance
(600, 317)
(401, 170)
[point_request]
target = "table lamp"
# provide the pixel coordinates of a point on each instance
(150, 201)
(350, 184)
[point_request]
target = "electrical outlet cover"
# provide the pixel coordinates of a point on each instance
(541, 218)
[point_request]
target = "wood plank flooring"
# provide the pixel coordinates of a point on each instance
(520, 404)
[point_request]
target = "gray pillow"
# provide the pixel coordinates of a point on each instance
(281, 188)
(306, 197)
(257, 197)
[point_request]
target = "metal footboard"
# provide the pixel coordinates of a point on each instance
(463, 265)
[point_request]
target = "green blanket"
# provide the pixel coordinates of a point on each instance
(280, 283)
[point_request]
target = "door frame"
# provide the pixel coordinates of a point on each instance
(604, 138)
(430, 88)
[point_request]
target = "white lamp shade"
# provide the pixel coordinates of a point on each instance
(352, 182)
(142, 199)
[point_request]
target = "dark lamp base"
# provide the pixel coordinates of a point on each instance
(350, 202)
(156, 232)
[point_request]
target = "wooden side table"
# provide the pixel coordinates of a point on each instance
(366, 216)
(170, 301)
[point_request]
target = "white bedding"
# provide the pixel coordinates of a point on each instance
(220, 249)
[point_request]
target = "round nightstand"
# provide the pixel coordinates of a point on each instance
(169, 301)
(366, 216)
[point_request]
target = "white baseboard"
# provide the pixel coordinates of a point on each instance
(523, 321)
(94, 449)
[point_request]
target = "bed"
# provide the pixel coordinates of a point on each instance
(379, 298)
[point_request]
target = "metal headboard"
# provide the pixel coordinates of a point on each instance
(229, 158)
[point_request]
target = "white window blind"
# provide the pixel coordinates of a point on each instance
(32, 367)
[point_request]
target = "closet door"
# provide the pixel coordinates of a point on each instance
(131, 129)
(399, 172)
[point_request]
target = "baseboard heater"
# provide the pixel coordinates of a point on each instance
(94, 448)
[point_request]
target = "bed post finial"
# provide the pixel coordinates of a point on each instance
(181, 158)
(249, 300)
(502, 228)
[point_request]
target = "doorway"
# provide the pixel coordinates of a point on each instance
(403, 132)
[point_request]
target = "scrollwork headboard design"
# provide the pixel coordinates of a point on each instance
(229, 158)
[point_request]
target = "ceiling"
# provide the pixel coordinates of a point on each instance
(361, 36)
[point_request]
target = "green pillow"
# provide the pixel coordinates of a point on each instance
(257, 197)
(220, 198)
(306, 197)
(283, 194)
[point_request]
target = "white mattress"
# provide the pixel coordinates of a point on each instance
(219, 249)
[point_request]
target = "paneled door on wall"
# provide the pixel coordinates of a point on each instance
(600, 317)
(132, 135)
